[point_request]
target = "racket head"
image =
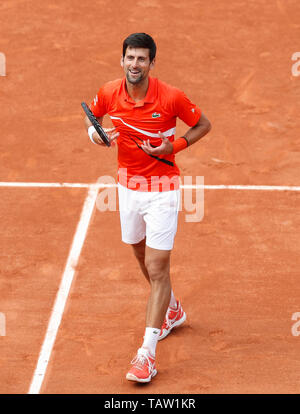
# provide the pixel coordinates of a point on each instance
(96, 124)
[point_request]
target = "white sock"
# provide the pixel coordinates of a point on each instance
(173, 301)
(150, 339)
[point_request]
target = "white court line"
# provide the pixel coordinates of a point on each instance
(244, 187)
(43, 185)
(2, 64)
(63, 292)
(185, 186)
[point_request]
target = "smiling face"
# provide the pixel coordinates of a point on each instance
(136, 64)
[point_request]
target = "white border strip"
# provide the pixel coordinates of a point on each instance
(186, 186)
(63, 292)
(167, 133)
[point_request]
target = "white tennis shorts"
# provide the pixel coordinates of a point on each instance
(153, 215)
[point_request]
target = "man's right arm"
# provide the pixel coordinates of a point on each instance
(111, 132)
(95, 136)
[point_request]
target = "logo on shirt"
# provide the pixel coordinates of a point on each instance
(156, 115)
(193, 110)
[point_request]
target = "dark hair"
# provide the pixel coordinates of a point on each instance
(141, 40)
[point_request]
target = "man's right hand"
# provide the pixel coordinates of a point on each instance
(111, 133)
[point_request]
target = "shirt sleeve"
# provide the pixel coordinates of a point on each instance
(99, 105)
(186, 110)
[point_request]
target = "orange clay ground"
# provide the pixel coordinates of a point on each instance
(236, 272)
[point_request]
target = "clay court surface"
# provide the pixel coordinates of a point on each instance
(236, 272)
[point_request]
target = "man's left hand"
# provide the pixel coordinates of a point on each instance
(166, 147)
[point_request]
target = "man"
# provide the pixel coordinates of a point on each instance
(144, 111)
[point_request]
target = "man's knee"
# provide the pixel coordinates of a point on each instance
(158, 269)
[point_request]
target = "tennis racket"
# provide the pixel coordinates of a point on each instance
(96, 124)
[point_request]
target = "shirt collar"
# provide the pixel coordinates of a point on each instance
(150, 95)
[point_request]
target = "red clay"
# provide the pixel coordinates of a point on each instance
(236, 272)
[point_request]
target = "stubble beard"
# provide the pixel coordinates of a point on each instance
(134, 81)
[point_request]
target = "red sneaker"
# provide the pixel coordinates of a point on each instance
(143, 369)
(174, 317)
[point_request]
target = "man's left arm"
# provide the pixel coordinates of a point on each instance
(198, 131)
(202, 127)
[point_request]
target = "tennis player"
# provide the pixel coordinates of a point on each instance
(143, 111)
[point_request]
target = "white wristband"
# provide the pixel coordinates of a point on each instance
(91, 130)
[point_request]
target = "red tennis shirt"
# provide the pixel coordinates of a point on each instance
(139, 121)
